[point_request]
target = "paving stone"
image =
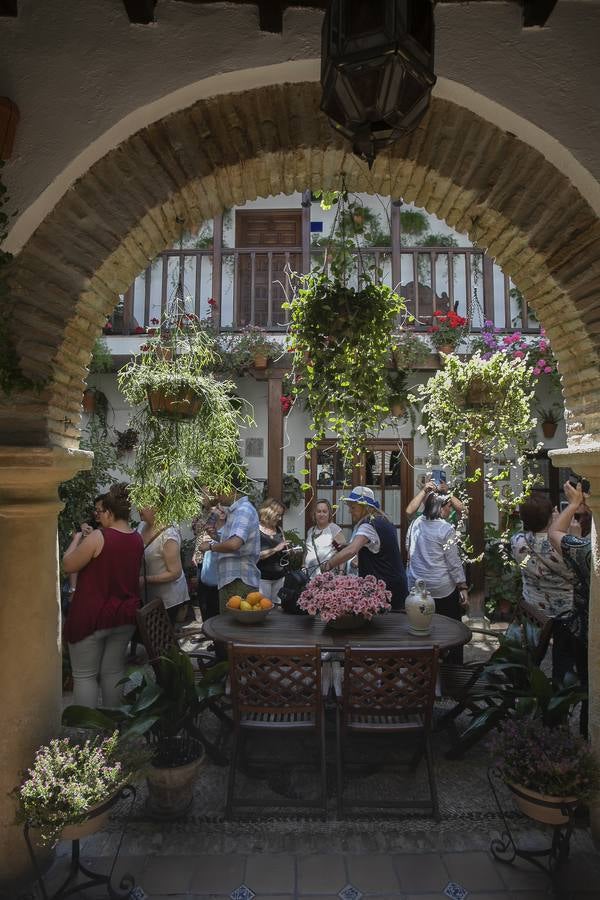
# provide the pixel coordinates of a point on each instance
(522, 876)
(321, 874)
(164, 874)
(476, 871)
(372, 874)
(218, 874)
(271, 873)
(493, 896)
(421, 872)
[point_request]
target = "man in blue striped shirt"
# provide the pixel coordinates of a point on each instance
(237, 549)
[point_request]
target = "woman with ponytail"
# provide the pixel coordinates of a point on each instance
(101, 618)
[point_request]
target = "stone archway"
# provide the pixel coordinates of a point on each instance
(191, 165)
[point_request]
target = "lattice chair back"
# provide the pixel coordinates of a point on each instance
(275, 679)
(156, 630)
(389, 682)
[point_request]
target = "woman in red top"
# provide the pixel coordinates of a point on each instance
(101, 619)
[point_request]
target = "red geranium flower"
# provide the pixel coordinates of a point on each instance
(139, 330)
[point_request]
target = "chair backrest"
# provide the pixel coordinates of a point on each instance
(538, 628)
(275, 679)
(156, 631)
(387, 681)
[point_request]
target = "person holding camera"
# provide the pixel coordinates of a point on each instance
(571, 629)
(437, 485)
(323, 539)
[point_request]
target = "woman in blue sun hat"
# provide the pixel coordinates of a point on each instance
(374, 540)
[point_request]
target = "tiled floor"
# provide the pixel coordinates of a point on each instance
(404, 876)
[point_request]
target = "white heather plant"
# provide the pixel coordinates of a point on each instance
(67, 779)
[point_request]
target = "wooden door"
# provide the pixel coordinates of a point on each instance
(270, 242)
(387, 468)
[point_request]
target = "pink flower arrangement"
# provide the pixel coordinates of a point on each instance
(331, 596)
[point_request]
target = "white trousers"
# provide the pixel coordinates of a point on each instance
(101, 655)
(270, 589)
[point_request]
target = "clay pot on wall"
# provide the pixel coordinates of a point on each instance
(549, 429)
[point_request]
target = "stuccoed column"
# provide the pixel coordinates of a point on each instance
(30, 627)
(586, 462)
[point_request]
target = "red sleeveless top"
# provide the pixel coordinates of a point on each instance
(108, 591)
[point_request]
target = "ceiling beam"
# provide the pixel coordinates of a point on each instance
(141, 12)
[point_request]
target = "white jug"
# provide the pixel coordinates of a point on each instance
(420, 607)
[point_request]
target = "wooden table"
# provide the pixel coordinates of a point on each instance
(283, 630)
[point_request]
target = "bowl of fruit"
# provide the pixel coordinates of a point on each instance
(249, 610)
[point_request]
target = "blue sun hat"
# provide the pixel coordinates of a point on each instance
(363, 495)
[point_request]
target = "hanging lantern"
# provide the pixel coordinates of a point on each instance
(376, 69)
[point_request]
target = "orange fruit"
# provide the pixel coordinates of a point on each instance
(234, 602)
(253, 598)
(265, 604)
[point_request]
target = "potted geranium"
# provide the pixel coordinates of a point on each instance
(252, 348)
(71, 787)
(447, 331)
(345, 601)
(549, 770)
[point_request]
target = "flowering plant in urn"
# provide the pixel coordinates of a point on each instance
(335, 596)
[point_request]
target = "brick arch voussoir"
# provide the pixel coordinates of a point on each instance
(229, 149)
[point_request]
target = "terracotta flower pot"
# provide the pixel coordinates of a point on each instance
(170, 790)
(260, 361)
(184, 404)
(549, 429)
(478, 393)
(445, 350)
(529, 803)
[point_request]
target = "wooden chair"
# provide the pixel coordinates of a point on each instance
(158, 636)
(276, 689)
(387, 691)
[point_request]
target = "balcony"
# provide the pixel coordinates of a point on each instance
(251, 284)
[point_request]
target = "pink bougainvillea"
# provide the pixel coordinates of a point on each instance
(331, 596)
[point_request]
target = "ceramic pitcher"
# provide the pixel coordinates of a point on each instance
(420, 607)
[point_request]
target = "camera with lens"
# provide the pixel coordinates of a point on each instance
(577, 479)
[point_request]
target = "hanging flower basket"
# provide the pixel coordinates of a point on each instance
(182, 403)
(549, 429)
(397, 409)
(89, 401)
(480, 393)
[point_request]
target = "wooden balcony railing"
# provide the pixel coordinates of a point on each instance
(249, 285)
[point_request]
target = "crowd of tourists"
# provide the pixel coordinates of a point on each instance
(238, 549)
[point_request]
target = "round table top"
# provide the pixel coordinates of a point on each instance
(284, 630)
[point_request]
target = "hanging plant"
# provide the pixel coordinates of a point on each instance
(483, 402)
(340, 337)
(191, 444)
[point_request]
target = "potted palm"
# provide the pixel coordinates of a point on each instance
(165, 709)
(549, 417)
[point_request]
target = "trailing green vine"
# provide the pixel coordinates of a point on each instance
(485, 403)
(340, 337)
(180, 457)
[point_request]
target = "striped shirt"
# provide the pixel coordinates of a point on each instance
(242, 522)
